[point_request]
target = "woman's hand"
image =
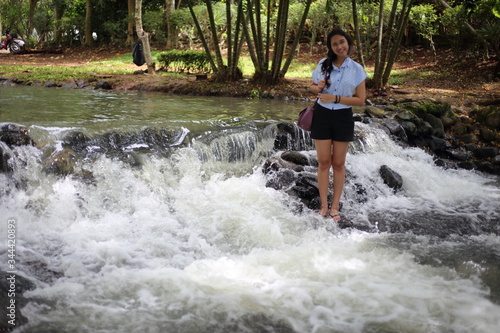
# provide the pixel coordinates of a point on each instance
(321, 85)
(317, 88)
(326, 98)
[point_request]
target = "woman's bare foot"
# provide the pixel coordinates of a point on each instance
(335, 215)
(323, 211)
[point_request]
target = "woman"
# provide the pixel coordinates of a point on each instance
(340, 84)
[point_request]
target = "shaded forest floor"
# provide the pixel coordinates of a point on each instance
(462, 80)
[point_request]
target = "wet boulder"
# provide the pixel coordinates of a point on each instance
(15, 135)
(436, 124)
(76, 141)
(391, 178)
(295, 157)
(306, 189)
(485, 152)
(5, 158)
(281, 179)
(61, 162)
(375, 112)
(103, 85)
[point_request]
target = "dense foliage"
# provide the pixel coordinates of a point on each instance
(473, 25)
(184, 61)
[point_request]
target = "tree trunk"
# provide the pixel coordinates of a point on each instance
(130, 23)
(297, 39)
(230, 72)
(31, 24)
(389, 41)
(377, 76)
(202, 37)
(171, 28)
(58, 13)
(356, 29)
(399, 28)
(88, 24)
(215, 39)
(143, 36)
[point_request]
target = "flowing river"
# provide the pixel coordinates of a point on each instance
(184, 235)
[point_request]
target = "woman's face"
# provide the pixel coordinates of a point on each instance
(339, 46)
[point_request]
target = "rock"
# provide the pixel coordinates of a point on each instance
(82, 83)
(485, 152)
(15, 135)
(71, 84)
(5, 158)
(76, 141)
(50, 84)
(447, 122)
(103, 85)
(488, 135)
(391, 178)
(467, 165)
(460, 155)
(438, 145)
(496, 160)
(460, 129)
(395, 128)
(485, 166)
(493, 119)
(456, 110)
(468, 138)
(410, 128)
(62, 162)
(375, 112)
(306, 187)
(405, 115)
(436, 124)
(295, 157)
(424, 129)
(282, 179)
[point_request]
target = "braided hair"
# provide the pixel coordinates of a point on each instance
(327, 65)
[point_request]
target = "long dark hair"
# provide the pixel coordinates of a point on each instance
(327, 65)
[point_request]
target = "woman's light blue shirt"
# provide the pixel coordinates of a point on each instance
(343, 81)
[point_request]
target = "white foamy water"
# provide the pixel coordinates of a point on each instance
(170, 247)
(192, 240)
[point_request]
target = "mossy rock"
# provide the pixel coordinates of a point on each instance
(489, 117)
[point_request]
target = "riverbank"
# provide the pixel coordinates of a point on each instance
(456, 102)
(464, 82)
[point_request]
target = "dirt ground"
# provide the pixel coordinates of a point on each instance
(466, 82)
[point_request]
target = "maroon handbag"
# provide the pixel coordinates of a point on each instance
(306, 117)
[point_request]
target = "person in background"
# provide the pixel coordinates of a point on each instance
(7, 40)
(339, 83)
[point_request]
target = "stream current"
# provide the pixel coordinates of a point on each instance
(188, 238)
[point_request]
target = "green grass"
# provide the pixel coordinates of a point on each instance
(121, 65)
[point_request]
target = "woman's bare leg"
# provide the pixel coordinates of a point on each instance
(324, 152)
(338, 165)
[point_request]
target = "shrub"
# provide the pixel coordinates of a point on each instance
(185, 61)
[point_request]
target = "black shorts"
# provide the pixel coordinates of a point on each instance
(336, 125)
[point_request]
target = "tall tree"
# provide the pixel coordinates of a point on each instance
(59, 6)
(130, 22)
(259, 39)
(88, 23)
(143, 37)
(234, 42)
(389, 40)
(356, 30)
(31, 20)
(171, 28)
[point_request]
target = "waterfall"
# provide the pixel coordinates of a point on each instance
(176, 231)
